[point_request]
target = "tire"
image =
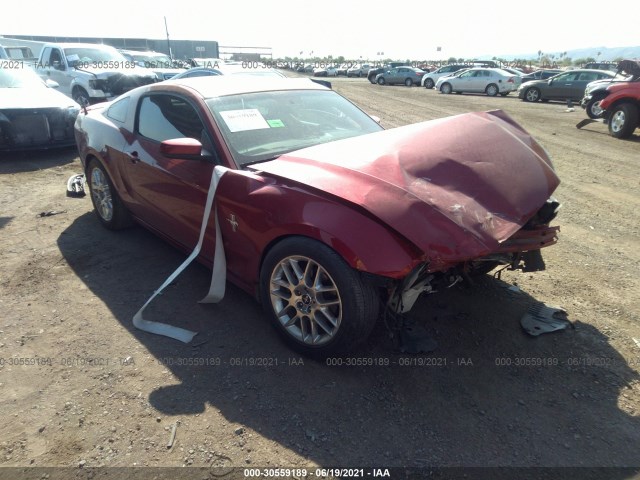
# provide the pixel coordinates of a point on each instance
(408, 82)
(623, 120)
(106, 201)
(531, 95)
(492, 90)
(593, 108)
(428, 83)
(381, 81)
(317, 303)
(81, 96)
(446, 88)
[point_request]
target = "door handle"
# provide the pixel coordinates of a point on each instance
(133, 156)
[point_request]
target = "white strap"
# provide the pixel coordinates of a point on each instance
(218, 275)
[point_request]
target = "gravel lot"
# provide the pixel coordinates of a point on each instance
(94, 392)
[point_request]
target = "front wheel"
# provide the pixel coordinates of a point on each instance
(81, 97)
(532, 95)
(381, 81)
(106, 201)
(623, 120)
(492, 90)
(318, 303)
(593, 108)
(446, 88)
(428, 83)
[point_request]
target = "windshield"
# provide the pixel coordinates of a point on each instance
(261, 126)
(95, 54)
(20, 78)
(153, 61)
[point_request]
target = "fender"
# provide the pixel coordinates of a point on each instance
(256, 211)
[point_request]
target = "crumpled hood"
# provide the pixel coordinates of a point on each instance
(455, 187)
(30, 97)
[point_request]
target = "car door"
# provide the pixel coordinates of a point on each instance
(168, 193)
(54, 68)
(561, 86)
(391, 76)
(580, 84)
(465, 82)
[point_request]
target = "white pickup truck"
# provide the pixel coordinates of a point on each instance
(90, 73)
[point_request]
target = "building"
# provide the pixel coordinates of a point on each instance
(180, 49)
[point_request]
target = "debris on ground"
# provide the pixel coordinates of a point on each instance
(75, 185)
(542, 318)
(51, 213)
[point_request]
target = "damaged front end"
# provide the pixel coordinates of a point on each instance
(115, 84)
(24, 128)
(521, 251)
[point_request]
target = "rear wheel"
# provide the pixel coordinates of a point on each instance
(623, 120)
(446, 88)
(381, 81)
(106, 202)
(318, 303)
(491, 90)
(408, 82)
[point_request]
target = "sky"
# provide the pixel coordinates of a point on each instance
(411, 29)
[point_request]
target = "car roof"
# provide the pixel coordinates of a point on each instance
(223, 85)
(81, 45)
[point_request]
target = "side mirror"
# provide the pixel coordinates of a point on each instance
(183, 148)
(51, 83)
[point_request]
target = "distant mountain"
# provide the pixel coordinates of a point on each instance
(606, 54)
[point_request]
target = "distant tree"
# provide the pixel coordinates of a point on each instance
(618, 59)
(461, 60)
(452, 60)
(566, 61)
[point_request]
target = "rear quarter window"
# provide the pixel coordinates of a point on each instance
(118, 111)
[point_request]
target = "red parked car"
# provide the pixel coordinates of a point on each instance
(332, 218)
(621, 103)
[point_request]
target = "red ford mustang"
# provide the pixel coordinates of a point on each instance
(333, 218)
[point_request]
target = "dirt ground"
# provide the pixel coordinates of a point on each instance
(80, 387)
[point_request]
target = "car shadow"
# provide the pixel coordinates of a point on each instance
(488, 396)
(31, 160)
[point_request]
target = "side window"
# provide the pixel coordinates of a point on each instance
(46, 55)
(588, 76)
(163, 117)
(118, 111)
(55, 60)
